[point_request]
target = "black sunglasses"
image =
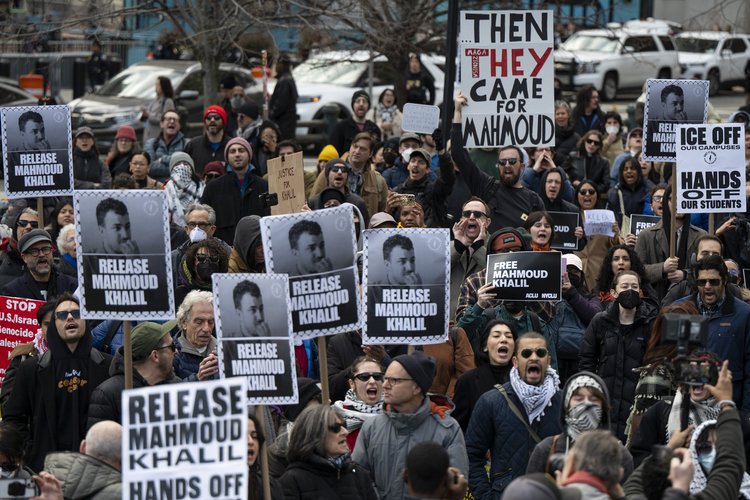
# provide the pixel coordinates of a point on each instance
(593, 143)
(587, 192)
(24, 223)
(713, 282)
(541, 352)
(703, 448)
(202, 257)
(170, 346)
(339, 168)
(336, 428)
(63, 315)
(365, 376)
(507, 161)
(476, 213)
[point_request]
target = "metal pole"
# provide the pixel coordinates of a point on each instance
(450, 67)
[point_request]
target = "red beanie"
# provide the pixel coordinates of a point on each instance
(218, 110)
(125, 132)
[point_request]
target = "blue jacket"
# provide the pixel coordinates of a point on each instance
(398, 173)
(161, 154)
(729, 337)
(494, 427)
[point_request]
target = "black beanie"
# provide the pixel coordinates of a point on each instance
(361, 93)
(309, 389)
(420, 366)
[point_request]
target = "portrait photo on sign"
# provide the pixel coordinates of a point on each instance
(309, 242)
(37, 151)
(403, 257)
(252, 305)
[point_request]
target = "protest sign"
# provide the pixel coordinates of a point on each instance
(639, 222)
(670, 103)
(18, 325)
(185, 440)
(598, 222)
(406, 278)
(124, 264)
(565, 230)
(316, 249)
(286, 180)
(711, 168)
(254, 333)
(526, 276)
(507, 75)
(37, 146)
(420, 118)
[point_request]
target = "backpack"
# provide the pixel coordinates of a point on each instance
(566, 329)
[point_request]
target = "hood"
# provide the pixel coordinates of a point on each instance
(440, 405)
(543, 181)
(606, 418)
(247, 237)
(59, 348)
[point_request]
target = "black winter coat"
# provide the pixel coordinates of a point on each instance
(344, 132)
(25, 286)
(612, 356)
(223, 195)
(594, 168)
(566, 140)
(432, 195)
(11, 265)
(283, 105)
(88, 170)
(318, 479)
(471, 385)
(201, 152)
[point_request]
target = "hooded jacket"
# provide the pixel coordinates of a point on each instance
(246, 241)
(49, 403)
(84, 477)
(88, 170)
(11, 263)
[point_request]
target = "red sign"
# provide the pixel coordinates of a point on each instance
(17, 325)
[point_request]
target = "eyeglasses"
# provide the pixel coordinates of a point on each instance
(657, 198)
(339, 168)
(336, 428)
(202, 257)
(215, 118)
(170, 119)
(593, 143)
(36, 252)
(587, 192)
(703, 448)
(541, 352)
(395, 380)
(713, 282)
(9, 467)
(507, 161)
(170, 346)
(63, 315)
(365, 376)
(475, 213)
(24, 223)
(202, 225)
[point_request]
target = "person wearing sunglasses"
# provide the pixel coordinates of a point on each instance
(337, 172)
(410, 411)
(41, 280)
(586, 161)
(469, 248)
(11, 262)
(201, 261)
(210, 145)
(320, 463)
(633, 146)
(50, 399)
(364, 399)
(153, 364)
(510, 420)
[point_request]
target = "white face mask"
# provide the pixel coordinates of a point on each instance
(612, 129)
(406, 154)
(197, 234)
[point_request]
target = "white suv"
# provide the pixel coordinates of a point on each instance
(615, 58)
(719, 57)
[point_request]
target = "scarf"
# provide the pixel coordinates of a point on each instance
(700, 412)
(386, 113)
(700, 480)
(585, 416)
(185, 187)
(535, 398)
(40, 344)
(339, 462)
(355, 411)
(540, 248)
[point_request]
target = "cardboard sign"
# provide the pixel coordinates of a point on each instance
(18, 325)
(286, 179)
(316, 249)
(526, 276)
(420, 118)
(124, 262)
(565, 230)
(37, 151)
(598, 222)
(406, 277)
(670, 103)
(507, 74)
(254, 333)
(711, 168)
(185, 440)
(640, 222)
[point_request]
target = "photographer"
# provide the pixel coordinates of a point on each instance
(726, 471)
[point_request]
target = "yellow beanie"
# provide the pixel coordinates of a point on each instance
(328, 153)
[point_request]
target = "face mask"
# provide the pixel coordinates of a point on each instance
(236, 102)
(390, 157)
(406, 154)
(575, 280)
(585, 416)
(513, 307)
(205, 270)
(707, 460)
(612, 129)
(629, 299)
(197, 234)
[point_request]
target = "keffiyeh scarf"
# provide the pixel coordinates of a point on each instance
(355, 411)
(700, 412)
(535, 398)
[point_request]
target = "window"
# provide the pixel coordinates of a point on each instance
(666, 42)
(641, 44)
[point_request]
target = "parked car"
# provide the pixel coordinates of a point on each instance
(615, 59)
(13, 95)
(332, 78)
(721, 58)
(120, 101)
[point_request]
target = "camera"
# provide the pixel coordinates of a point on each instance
(556, 462)
(689, 332)
(268, 200)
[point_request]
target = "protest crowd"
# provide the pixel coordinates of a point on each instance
(596, 394)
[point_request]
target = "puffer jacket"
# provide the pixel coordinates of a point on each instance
(89, 170)
(494, 427)
(84, 477)
(612, 356)
(385, 440)
(317, 479)
(246, 241)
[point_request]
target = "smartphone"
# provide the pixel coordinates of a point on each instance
(18, 488)
(407, 199)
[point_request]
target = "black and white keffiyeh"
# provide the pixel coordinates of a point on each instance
(535, 398)
(355, 411)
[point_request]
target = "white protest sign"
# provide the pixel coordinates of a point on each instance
(507, 75)
(185, 440)
(599, 222)
(420, 118)
(711, 168)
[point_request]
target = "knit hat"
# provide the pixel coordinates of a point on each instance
(309, 389)
(242, 142)
(330, 193)
(508, 240)
(125, 132)
(581, 379)
(328, 153)
(361, 93)
(32, 237)
(250, 109)
(146, 337)
(84, 131)
(420, 366)
(334, 163)
(214, 166)
(218, 110)
(181, 157)
(572, 259)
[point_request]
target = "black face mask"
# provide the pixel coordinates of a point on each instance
(390, 157)
(205, 270)
(629, 299)
(575, 280)
(513, 307)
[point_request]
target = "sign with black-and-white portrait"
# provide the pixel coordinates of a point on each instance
(37, 151)
(124, 264)
(406, 278)
(254, 332)
(316, 249)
